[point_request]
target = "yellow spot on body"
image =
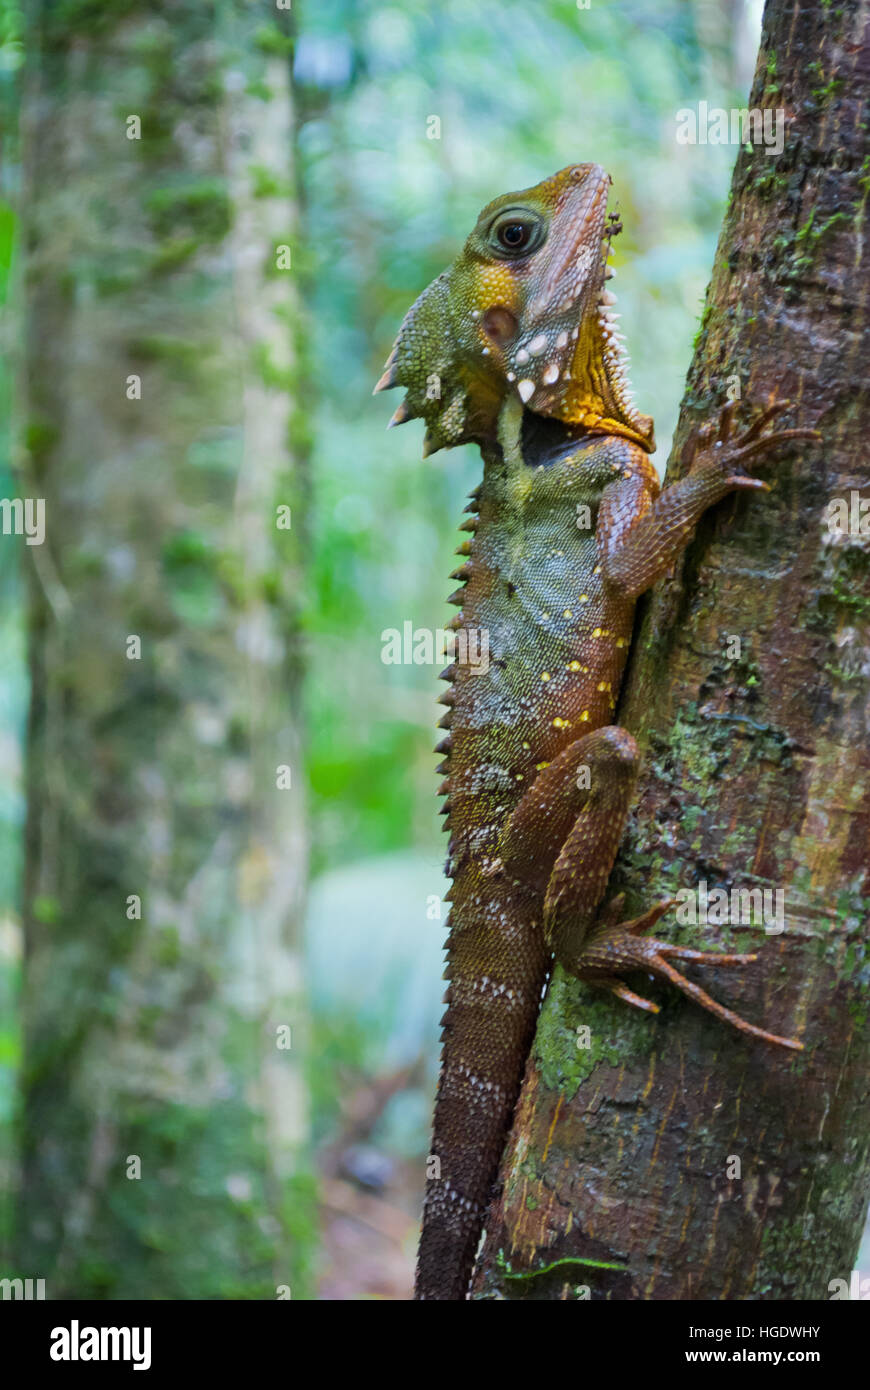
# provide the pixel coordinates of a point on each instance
(561, 723)
(584, 716)
(584, 598)
(539, 767)
(545, 675)
(567, 613)
(573, 666)
(604, 685)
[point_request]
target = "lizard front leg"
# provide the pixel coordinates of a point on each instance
(562, 840)
(639, 537)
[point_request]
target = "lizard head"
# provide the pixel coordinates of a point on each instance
(523, 310)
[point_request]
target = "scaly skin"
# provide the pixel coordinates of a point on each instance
(513, 348)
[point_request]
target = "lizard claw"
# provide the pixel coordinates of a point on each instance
(759, 424)
(712, 448)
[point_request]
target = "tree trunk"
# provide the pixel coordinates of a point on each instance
(673, 1158)
(162, 1106)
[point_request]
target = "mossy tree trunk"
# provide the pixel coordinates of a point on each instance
(162, 1113)
(671, 1158)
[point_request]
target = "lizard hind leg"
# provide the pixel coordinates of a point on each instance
(603, 952)
(562, 841)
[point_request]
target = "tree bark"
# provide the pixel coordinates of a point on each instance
(162, 1103)
(672, 1158)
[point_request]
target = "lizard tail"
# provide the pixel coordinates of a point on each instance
(497, 974)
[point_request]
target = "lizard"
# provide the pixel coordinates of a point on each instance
(515, 348)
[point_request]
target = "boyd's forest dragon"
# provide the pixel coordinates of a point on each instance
(516, 348)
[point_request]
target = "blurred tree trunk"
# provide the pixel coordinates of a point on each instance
(163, 1115)
(695, 1163)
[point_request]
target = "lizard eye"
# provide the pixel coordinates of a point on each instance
(513, 234)
(516, 232)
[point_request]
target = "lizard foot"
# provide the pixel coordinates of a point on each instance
(712, 449)
(611, 950)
